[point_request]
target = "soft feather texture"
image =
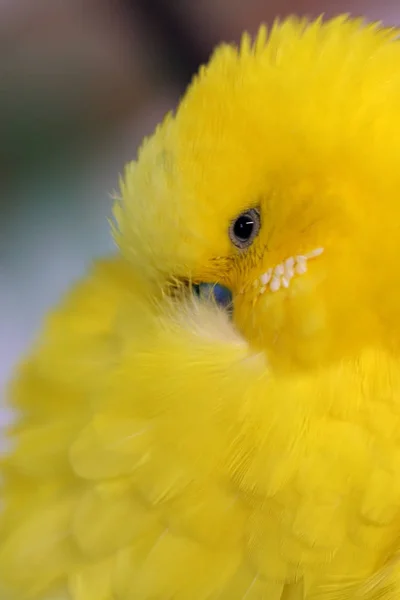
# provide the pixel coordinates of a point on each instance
(163, 452)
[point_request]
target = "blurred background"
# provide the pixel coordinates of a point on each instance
(81, 82)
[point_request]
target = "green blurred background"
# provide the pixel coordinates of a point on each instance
(81, 82)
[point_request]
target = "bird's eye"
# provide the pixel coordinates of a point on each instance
(245, 228)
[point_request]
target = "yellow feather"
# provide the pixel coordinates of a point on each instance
(164, 449)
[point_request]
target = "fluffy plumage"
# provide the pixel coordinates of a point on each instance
(165, 452)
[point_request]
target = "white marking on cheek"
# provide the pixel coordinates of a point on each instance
(300, 268)
(289, 268)
(281, 275)
(266, 277)
(300, 265)
(279, 270)
(275, 284)
(285, 282)
(289, 262)
(314, 253)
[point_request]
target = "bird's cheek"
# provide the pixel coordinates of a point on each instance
(289, 324)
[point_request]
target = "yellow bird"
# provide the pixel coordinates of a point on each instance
(172, 446)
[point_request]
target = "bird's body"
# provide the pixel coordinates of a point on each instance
(167, 451)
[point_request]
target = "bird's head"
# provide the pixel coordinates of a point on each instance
(279, 179)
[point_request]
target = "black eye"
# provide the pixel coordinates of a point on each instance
(245, 228)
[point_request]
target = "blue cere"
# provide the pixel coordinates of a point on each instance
(215, 292)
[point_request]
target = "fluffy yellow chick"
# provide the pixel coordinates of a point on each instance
(166, 449)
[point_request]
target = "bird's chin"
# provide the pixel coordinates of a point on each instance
(287, 322)
(260, 318)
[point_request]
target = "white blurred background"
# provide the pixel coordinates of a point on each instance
(81, 82)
